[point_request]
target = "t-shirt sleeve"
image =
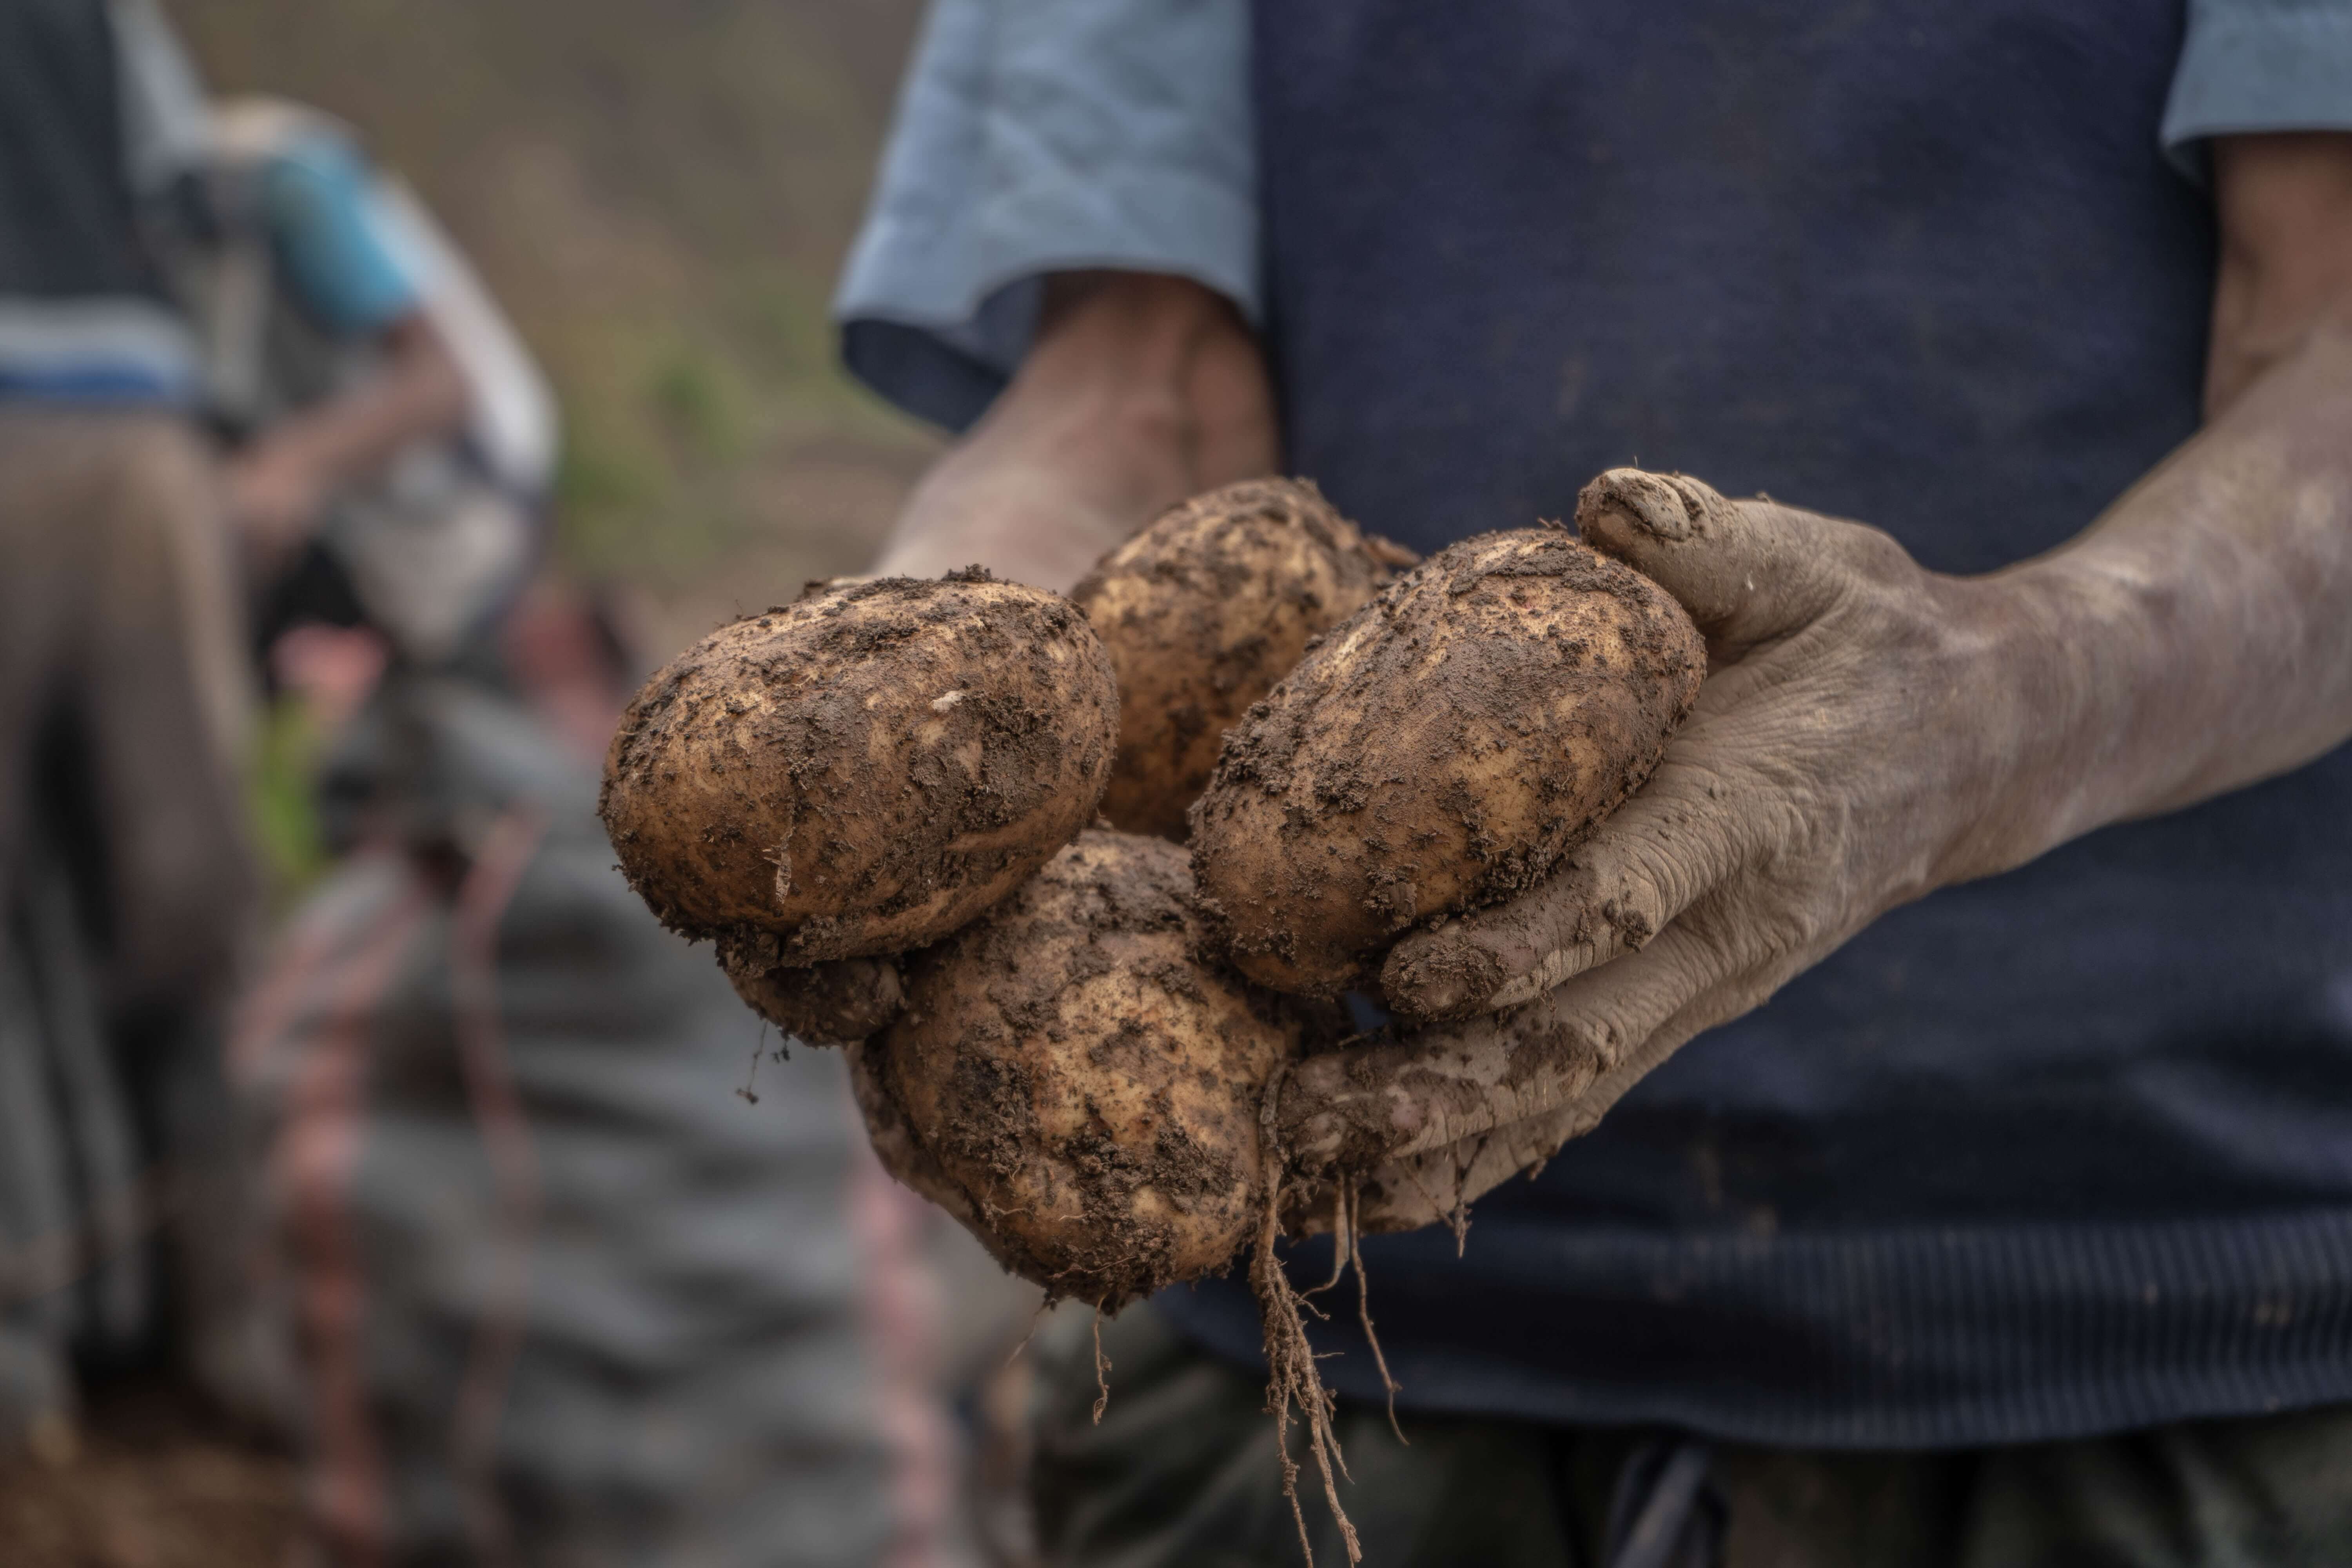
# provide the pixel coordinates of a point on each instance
(2258, 65)
(1038, 136)
(339, 251)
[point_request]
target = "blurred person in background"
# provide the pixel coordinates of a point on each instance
(126, 890)
(556, 1264)
(390, 441)
(2018, 1228)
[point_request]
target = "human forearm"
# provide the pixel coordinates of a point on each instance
(421, 393)
(1141, 390)
(2198, 638)
(277, 485)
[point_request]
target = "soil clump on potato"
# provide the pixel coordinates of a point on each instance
(1202, 613)
(864, 770)
(829, 1004)
(1439, 751)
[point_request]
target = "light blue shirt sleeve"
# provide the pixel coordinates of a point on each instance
(319, 198)
(1038, 136)
(2258, 65)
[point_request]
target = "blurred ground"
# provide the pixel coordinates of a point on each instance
(148, 1481)
(660, 192)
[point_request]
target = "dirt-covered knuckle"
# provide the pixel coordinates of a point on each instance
(1353, 1109)
(1868, 555)
(1589, 909)
(1350, 1109)
(1765, 927)
(1681, 836)
(1452, 973)
(1724, 803)
(1559, 1051)
(1359, 1130)
(1656, 870)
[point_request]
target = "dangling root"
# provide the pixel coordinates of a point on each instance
(1290, 1359)
(1102, 1373)
(1352, 1247)
(1343, 1236)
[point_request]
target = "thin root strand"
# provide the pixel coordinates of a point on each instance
(1102, 1373)
(1293, 1378)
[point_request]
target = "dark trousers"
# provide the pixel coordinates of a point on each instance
(117, 610)
(125, 887)
(1183, 1471)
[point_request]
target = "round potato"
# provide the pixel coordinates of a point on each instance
(1439, 751)
(1203, 612)
(864, 770)
(895, 1145)
(1084, 1081)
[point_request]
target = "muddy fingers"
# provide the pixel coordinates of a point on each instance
(1353, 1109)
(1691, 827)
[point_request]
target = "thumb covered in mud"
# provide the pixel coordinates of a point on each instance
(1746, 571)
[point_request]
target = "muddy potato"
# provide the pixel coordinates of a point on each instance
(864, 770)
(835, 1003)
(1203, 612)
(1083, 1081)
(895, 1145)
(1440, 751)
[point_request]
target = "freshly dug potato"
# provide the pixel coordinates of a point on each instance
(1082, 1081)
(1440, 751)
(1203, 612)
(895, 1145)
(864, 770)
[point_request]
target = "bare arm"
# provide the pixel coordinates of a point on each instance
(1141, 390)
(2217, 593)
(277, 485)
(1872, 732)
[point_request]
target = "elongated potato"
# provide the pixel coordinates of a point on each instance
(1085, 1083)
(864, 770)
(1203, 612)
(1440, 751)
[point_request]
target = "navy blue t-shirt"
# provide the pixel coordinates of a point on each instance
(2065, 1151)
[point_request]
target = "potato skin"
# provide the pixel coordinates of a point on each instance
(864, 770)
(1438, 752)
(835, 1003)
(1203, 612)
(1084, 1081)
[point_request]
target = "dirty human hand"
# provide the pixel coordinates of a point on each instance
(1857, 742)
(1870, 730)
